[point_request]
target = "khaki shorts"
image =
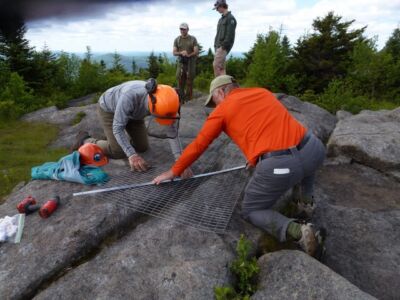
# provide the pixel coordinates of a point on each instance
(219, 61)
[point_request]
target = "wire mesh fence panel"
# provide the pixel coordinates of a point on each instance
(205, 203)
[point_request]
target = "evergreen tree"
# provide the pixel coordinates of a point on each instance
(392, 48)
(269, 60)
(325, 54)
(167, 73)
(16, 98)
(45, 69)
(103, 64)
(236, 67)
(4, 73)
(204, 63)
(15, 50)
(117, 66)
(371, 72)
(153, 65)
(91, 78)
(67, 70)
(286, 49)
(393, 45)
(88, 54)
(134, 66)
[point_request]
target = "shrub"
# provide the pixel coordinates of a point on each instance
(78, 118)
(245, 269)
(8, 110)
(202, 82)
(17, 94)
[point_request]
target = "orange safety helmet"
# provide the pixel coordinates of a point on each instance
(164, 104)
(91, 154)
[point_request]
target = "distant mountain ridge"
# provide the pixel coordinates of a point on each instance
(140, 58)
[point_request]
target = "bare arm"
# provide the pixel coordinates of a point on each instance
(175, 52)
(195, 51)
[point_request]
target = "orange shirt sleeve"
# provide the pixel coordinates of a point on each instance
(212, 128)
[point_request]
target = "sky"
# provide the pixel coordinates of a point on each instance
(123, 25)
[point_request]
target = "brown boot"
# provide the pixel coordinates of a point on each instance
(308, 241)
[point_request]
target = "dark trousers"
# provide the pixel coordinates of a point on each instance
(273, 177)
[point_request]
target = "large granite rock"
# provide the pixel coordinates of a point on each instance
(290, 274)
(157, 260)
(90, 247)
(371, 138)
(320, 121)
(360, 209)
(66, 119)
(83, 227)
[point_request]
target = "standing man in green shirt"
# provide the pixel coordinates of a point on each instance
(225, 37)
(186, 49)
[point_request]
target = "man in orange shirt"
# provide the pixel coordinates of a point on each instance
(283, 151)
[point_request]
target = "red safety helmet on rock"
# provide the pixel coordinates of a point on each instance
(91, 154)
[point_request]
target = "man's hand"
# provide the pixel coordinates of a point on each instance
(184, 53)
(137, 163)
(163, 177)
(187, 173)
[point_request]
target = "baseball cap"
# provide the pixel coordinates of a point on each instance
(92, 154)
(218, 3)
(216, 83)
(184, 26)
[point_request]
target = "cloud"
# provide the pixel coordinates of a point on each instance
(29, 10)
(153, 25)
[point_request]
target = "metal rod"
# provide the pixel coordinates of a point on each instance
(132, 186)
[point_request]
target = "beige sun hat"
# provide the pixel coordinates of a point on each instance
(184, 26)
(216, 83)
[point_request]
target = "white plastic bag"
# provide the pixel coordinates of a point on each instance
(11, 228)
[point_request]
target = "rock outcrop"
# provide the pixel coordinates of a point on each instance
(289, 274)
(360, 208)
(370, 138)
(92, 248)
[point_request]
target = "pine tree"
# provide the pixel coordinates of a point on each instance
(117, 66)
(393, 45)
(153, 65)
(134, 66)
(88, 54)
(44, 67)
(15, 50)
(67, 70)
(204, 62)
(268, 61)
(325, 54)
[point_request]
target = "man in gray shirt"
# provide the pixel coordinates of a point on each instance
(122, 110)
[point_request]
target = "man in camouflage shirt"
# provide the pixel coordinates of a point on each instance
(224, 38)
(187, 49)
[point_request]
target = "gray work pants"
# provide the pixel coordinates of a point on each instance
(273, 177)
(136, 129)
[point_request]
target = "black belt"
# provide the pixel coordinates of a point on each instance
(300, 146)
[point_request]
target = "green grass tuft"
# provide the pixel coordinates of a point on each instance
(23, 146)
(78, 118)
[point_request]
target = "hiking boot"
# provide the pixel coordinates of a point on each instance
(79, 139)
(308, 241)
